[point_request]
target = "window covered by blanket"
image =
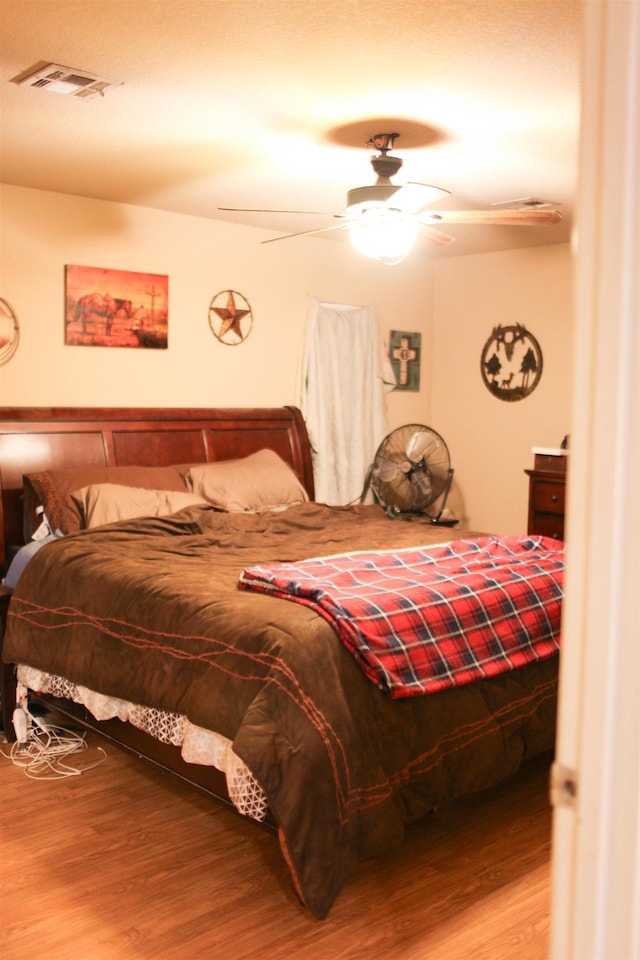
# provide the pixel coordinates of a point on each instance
(342, 396)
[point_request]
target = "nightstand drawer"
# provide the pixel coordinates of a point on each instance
(547, 497)
(550, 464)
(548, 525)
(547, 502)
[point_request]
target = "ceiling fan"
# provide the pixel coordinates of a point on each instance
(383, 219)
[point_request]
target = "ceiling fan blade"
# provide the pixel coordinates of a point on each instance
(527, 203)
(436, 236)
(523, 218)
(312, 213)
(412, 197)
(304, 233)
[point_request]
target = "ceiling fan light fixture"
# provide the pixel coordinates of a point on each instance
(381, 233)
(383, 219)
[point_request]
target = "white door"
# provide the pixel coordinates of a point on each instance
(596, 845)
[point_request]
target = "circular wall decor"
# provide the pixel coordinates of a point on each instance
(230, 317)
(9, 331)
(511, 362)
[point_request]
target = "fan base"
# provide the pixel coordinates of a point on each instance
(395, 514)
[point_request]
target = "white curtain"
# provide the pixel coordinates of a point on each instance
(342, 396)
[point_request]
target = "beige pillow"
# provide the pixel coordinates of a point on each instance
(261, 481)
(102, 503)
(52, 489)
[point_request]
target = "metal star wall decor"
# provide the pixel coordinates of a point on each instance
(231, 323)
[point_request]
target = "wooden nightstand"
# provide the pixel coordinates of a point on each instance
(547, 485)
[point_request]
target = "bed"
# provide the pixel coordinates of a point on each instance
(170, 626)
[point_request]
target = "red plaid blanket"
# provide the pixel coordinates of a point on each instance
(424, 619)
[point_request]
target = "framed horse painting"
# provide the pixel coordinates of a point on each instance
(115, 308)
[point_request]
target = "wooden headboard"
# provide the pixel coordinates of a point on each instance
(45, 438)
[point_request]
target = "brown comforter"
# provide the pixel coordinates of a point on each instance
(150, 611)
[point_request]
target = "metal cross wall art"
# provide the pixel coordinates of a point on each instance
(511, 362)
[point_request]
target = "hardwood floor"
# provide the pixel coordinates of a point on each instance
(122, 863)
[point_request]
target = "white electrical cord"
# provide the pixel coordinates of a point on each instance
(43, 749)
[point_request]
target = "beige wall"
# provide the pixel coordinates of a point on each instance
(453, 303)
(41, 232)
(490, 439)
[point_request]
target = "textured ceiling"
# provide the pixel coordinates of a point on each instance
(269, 103)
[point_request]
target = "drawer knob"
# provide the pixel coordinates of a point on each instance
(554, 498)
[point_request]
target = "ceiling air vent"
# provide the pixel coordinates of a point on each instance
(69, 81)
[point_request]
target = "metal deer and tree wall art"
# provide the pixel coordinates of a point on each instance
(511, 362)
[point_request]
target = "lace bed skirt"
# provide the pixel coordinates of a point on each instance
(197, 745)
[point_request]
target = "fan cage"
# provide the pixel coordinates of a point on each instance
(411, 471)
